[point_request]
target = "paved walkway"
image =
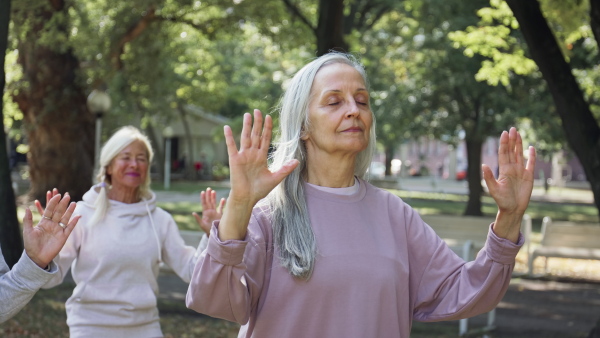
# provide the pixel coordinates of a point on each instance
(572, 192)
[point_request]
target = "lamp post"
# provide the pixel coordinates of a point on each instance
(98, 103)
(167, 134)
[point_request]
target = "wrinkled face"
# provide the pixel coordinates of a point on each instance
(339, 112)
(128, 170)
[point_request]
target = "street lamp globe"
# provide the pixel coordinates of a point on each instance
(98, 103)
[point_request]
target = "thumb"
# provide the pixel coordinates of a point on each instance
(197, 217)
(27, 221)
(285, 170)
(489, 178)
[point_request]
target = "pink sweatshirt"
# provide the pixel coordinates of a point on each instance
(379, 267)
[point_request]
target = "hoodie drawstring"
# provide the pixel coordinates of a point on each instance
(155, 233)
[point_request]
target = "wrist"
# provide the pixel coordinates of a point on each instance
(40, 263)
(508, 226)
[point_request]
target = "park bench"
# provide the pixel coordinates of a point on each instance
(567, 240)
(466, 235)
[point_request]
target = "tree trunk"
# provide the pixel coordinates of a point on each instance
(159, 151)
(330, 29)
(595, 19)
(389, 156)
(581, 128)
(474, 177)
(189, 171)
(59, 127)
(11, 243)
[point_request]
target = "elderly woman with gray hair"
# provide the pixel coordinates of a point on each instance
(307, 248)
(115, 252)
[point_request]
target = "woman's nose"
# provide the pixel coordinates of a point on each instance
(352, 109)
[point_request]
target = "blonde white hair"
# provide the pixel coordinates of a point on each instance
(115, 144)
(292, 231)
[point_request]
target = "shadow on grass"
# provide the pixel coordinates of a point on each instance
(45, 316)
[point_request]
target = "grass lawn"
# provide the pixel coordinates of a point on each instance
(45, 316)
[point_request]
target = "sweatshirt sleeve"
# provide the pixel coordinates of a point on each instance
(17, 286)
(180, 257)
(66, 256)
(229, 276)
(444, 286)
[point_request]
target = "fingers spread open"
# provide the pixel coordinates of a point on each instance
(61, 208)
(503, 149)
(519, 149)
(265, 141)
(71, 225)
(50, 207)
(512, 140)
(221, 205)
(257, 128)
(245, 139)
(230, 141)
(66, 217)
(531, 161)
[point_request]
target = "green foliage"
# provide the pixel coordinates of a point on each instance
(497, 40)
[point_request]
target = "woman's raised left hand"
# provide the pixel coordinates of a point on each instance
(512, 189)
(44, 241)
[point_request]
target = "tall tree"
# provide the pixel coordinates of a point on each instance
(338, 18)
(10, 236)
(454, 104)
(580, 126)
(59, 127)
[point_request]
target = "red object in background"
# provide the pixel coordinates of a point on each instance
(198, 166)
(461, 175)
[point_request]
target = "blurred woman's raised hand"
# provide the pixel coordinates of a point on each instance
(210, 210)
(251, 179)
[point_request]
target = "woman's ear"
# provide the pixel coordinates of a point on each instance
(303, 134)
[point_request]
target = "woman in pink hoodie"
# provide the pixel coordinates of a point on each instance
(307, 248)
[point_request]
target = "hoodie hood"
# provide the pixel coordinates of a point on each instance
(119, 208)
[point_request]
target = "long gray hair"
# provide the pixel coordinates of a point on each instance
(293, 234)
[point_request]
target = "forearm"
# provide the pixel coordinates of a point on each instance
(452, 289)
(19, 285)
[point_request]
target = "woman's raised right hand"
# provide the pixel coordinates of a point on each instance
(251, 180)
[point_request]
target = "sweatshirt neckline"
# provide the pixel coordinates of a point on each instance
(328, 196)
